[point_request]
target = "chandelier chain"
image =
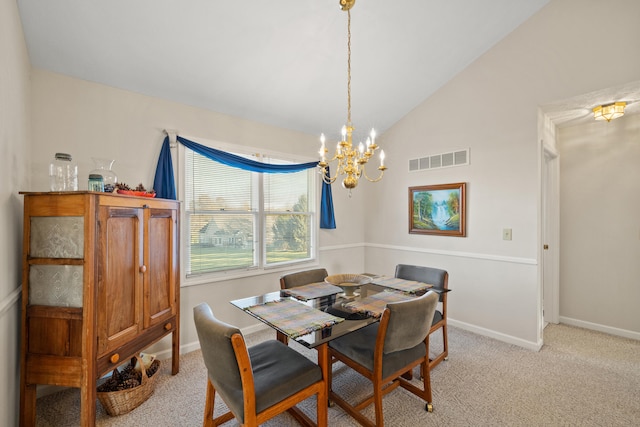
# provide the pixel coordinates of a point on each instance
(349, 67)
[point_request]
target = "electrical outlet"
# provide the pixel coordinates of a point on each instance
(506, 234)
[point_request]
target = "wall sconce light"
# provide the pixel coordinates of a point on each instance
(610, 111)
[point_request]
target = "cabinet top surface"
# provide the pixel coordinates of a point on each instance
(91, 193)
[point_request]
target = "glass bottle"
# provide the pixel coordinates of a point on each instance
(63, 173)
(103, 168)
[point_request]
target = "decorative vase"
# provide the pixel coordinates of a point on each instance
(103, 168)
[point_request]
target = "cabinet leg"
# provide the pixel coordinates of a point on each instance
(88, 404)
(28, 405)
(175, 352)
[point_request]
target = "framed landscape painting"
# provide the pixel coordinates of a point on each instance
(438, 209)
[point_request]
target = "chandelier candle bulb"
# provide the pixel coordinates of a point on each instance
(381, 158)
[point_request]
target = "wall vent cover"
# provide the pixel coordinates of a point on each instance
(438, 161)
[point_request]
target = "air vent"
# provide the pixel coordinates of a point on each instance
(438, 161)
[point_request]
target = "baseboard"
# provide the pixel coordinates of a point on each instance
(600, 328)
(530, 345)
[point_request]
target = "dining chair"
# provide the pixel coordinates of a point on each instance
(386, 352)
(301, 278)
(255, 383)
(440, 280)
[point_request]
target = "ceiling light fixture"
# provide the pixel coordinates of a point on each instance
(351, 161)
(610, 111)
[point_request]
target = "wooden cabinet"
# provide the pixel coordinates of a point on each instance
(100, 284)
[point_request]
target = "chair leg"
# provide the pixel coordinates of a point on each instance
(209, 404)
(426, 385)
(445, 341)
(377, 402)
(209, 408)
(445, 348)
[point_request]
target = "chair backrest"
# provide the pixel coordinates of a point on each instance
(434, 276)
(409, 322)
(219, 356)
(301, 278)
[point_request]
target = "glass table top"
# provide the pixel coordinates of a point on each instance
(336, 305)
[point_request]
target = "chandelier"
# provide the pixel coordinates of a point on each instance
(351, 160)
(610, 111)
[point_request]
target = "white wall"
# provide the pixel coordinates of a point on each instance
(491, 108)
(92, 120)
(600, 229)
(14, 173)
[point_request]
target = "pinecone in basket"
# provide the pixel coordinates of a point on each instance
(153, 368)
(128, 383)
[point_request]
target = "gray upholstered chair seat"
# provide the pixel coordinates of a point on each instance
(360, 346)
(279, 372)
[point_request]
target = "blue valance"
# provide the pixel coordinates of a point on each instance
(164, 182)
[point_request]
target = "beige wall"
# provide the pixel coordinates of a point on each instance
(14, 173)
(600, 230)
(491, 107)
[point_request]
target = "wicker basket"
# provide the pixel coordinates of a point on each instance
(123, 401)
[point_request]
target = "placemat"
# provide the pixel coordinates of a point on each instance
(374, 305)
(409, 286)
(312, 291)
(292, 317)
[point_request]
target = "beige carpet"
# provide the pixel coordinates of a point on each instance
(579, 378)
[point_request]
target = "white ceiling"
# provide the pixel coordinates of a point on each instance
(281, 62)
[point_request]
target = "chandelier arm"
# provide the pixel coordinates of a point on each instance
(327, 178)
(380, 168)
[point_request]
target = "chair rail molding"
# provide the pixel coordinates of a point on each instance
(459, 254)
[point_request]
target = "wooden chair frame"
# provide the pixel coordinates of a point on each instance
(442, 324)
(382, 386)
(252, 418)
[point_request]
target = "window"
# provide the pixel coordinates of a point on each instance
(238, 219)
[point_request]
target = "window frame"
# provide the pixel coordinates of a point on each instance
(260, 214)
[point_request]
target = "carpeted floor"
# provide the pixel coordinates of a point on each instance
(579, 378)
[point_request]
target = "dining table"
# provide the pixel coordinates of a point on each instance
(314, 314)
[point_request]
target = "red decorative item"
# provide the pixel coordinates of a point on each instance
(137, 193)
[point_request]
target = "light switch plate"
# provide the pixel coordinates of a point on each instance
(506, 234)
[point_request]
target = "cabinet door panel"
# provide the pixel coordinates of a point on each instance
(160, 282)
(118, 284)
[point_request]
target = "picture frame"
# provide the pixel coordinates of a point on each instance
(438, 209)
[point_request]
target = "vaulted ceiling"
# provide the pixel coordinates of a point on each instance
(280, 62)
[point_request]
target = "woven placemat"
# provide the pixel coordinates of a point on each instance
(292, 317)
(312, 291)
(409, 286)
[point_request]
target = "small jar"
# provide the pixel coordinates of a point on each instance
(96, 183)
(103, 168)
(63, 173)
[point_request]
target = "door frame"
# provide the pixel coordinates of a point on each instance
(550, 235)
